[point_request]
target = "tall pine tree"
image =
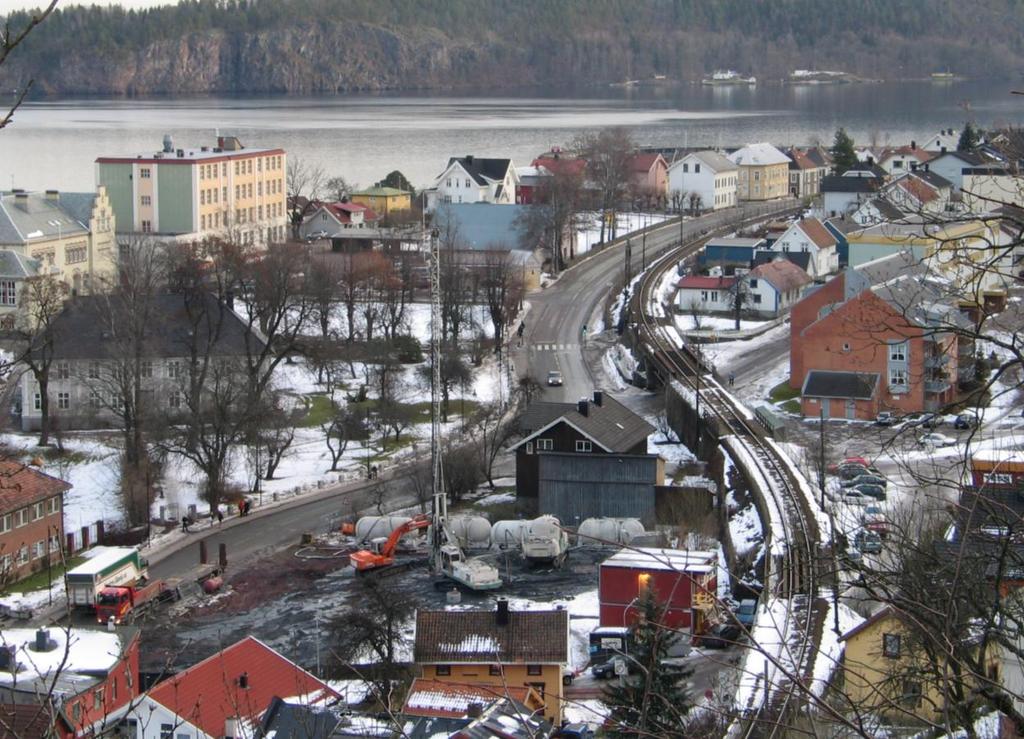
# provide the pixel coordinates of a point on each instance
(653, 700)
(843, 155)
(970, 138)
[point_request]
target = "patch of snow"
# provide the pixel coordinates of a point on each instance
(830, 649)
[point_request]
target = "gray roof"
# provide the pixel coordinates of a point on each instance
(611, 424)
(886, 209)
(828, 384)
(734, 241)
(82, 330)
(715, 161)
(26, 217)
(483, 170)
(483, 225)
(926, 302)
(891, 266)
(932, 178)
(284, 720)
(838, 183)
(801, 259)
(18, 266)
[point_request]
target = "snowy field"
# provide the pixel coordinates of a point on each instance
(687, 322)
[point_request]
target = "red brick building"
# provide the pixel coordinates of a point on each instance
(891, 347)
(89, 675)
(685, 581)
(31, 519)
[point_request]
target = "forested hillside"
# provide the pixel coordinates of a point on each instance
(300, 46)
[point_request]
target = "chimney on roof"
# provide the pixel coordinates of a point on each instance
(925, 167)
(913, 166)
(43, 641)
(598, 398)
(871, 161)
(181, 153)
(469, 159)
(474, 710)
(53, 194)
(582, 407)
(168, 143)
(501, 613)
(913, 145)
(243, 680)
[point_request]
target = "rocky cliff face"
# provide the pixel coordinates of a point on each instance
(334, 56)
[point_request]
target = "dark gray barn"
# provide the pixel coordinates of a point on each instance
(574, 487)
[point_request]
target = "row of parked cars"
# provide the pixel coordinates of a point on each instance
(965, 420)
(860, 482)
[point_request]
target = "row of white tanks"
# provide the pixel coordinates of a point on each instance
(540, 539)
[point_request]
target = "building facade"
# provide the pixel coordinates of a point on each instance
(500, 648)
(706, 178)
(69, 234)
(384, 201)
(31, 520)
(472, 179)
(763, 172)
(223, 191)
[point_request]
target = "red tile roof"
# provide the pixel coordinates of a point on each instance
(474, 637)
(561, 165)
(642, 163)
(800, 159)
(343, 211)
(209, 692)
(21, 485)
(782, 274)
(920, 190)
(703, 282)
(434, 698)
(906, 151)
(816, 232)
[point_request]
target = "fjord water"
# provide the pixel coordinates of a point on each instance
(54, 143)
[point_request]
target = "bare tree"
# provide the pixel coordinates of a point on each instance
(554, 216)
(305, 182)
(42, 300)
(608, 153)
(346, 425)
(339, 189)
(502, 291)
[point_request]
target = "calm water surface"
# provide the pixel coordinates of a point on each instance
(54, 143)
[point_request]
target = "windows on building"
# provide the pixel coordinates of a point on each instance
(533, 670)
(63, 400)
(146, 200)
(54, 543)
(37, 401)
(5, 523)
(144, 173)
(53, 504)
(38, 510)
(167, 730)
(174, 399)
(898, 352)
(146, 368)
(23, 555)
(696, 168)
(443, 670)
(63, 370)
(891, 645)
(583, 445)
(8, 292)
(39, 549)
(95, 400)
(911, 693)
(897, 377)
(545, 445)
(147, 227)
(494, 670)
(75, 254)
(20, 518)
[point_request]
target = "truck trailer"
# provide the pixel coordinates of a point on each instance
(109, 566)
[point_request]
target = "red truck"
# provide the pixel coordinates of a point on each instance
(125, 602)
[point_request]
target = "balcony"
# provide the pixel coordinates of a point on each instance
(936, 386)
(936, 361)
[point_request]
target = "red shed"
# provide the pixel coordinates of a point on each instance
(684, 579)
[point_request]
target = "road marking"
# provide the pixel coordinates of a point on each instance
(556, 347)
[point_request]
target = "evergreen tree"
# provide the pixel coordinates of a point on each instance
(970, 138)
(398, 180)
(655, 700)
(843, 155)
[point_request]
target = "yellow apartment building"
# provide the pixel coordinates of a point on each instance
(223, 191)
(763, 172)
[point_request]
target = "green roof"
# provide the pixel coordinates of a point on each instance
(382, 191)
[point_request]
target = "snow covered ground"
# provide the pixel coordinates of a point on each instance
(590, 234)
(686, 322)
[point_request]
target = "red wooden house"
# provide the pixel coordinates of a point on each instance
(685, 581)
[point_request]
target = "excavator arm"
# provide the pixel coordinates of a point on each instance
(420, 522)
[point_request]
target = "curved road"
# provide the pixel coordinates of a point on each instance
(554, 338)
(554, 331)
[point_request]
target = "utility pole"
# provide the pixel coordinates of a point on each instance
(821, 453)
(629, 261)
(643, 253)
(437, 481)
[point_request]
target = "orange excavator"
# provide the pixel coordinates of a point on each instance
(365, 559)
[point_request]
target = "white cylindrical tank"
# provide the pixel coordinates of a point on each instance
(371, 527)
(508, 534)
(544, 540)
(608, 531)
(471, 531)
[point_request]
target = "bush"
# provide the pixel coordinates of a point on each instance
(408, 349)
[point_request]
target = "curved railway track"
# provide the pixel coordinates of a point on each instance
(790, 576)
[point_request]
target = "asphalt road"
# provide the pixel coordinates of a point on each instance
(555, 323)
(553, 339)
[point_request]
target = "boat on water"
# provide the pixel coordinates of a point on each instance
(728, 77)
(946, 76)
(819, 77)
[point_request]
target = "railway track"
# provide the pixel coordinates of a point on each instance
(790, 575)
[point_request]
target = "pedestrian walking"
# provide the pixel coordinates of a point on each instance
(185, 521)
(732, 379)
(220, 516)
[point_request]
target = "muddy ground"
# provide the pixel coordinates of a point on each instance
(288, 601)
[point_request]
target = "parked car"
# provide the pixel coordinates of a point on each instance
(865, 479)
(868, 542)
(834, 468)
(721, 636)
(966, 420)
(554, 378)
(850, 471)
(935, 439)
(854, 497)
(874, 520)
(872, 491)
(853, 555)
(316, 236)
(885, 418)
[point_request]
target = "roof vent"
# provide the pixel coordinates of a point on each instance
(181, 153)
(582, 407)
(598, 398)
(53, 194)
(43, 641)
(168, 143)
